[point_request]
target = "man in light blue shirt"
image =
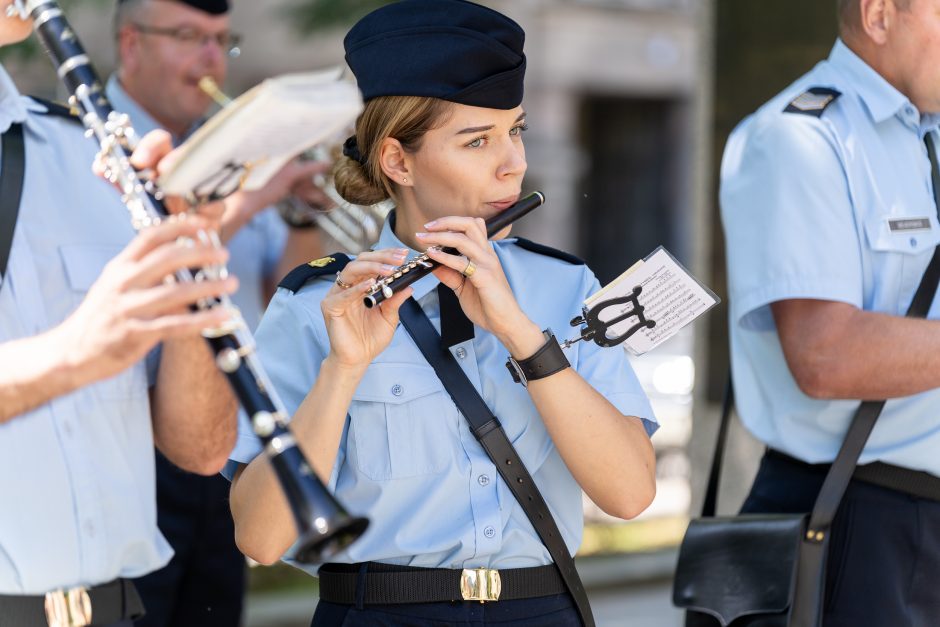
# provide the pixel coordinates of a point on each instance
(82, 301)
(164, 48)
(829, 214)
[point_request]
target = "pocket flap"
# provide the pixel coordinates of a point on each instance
(736, 566)
(83, 263)
(902, 234)
(397, 383)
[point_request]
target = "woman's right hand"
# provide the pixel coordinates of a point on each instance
(357, 333)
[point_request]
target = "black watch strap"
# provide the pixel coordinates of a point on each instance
(546, 361)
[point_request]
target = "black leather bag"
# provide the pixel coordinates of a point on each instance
(739, 570)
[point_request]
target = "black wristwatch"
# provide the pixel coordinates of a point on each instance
(546, 361)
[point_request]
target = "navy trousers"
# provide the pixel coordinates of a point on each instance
(204, 583)
(884, 551)
(552, 611)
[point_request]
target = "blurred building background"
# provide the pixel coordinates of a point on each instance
(629, 103)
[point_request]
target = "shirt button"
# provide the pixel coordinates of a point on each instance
(489, 532)
(483, 480)
(461, 352)
(913, 242)
(397, 390)
(89, 529)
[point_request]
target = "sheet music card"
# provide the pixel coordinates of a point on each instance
(670, 296)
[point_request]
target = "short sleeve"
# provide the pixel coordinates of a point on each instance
(290, 354)
(789, 223)
(609, 371)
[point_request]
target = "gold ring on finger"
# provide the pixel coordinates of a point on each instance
(470, 269)
(343, 284)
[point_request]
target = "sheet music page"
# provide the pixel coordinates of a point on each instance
(263, 129)
(670, 296)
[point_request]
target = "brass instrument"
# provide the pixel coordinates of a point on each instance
(353, 227)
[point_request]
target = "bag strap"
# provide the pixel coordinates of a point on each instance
(714, 475)
(12, 170)
(489, 433)
(837, 480)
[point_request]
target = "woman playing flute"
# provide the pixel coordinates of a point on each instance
(442, 136)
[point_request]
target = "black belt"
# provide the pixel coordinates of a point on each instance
(101, 605)
(386, 584)
(915, 483)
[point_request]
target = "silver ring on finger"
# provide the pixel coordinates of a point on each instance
(343, 284)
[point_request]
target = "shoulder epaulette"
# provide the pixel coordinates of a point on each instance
(813, 101)
(299, 276)
(57, 109)
(548, 251)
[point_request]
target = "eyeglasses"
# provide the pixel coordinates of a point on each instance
(192, 38)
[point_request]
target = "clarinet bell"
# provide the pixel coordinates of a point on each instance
(324, 528)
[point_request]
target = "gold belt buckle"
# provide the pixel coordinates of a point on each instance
(480, 584)
(68, 608)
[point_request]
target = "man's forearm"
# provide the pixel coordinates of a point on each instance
(35, 370)
(194, 410)
(837, 351)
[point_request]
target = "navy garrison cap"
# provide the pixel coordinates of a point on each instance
(449, 49)
(215, 7)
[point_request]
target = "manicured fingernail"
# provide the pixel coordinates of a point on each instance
(430, 224)
(422, 235)
(434, 249)
(387, 268)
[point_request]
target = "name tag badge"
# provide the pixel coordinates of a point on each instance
(906, 225)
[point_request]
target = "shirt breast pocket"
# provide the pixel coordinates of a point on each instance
(83, 265)
(402, 422)
(901, 249)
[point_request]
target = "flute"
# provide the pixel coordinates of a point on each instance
(422, 265)
(323, 526)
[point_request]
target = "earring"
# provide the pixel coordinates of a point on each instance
(404, 180)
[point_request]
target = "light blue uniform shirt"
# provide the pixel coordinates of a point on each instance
(76, 474)
(806, 203)
(407, 458)
(254, 251)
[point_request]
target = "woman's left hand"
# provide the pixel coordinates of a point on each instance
(485, 295)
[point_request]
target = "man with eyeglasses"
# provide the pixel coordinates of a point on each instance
(164, 48)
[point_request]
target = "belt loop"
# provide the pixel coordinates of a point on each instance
(361, 586)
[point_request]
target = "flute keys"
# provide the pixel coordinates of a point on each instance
(387, 291)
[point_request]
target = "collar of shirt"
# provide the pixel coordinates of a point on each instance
(12, 105)
(388, 239)
(141, 120)
(881, 98)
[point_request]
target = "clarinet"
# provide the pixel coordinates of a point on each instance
(422, 265)
(324, 527)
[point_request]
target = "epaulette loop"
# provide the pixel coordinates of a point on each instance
(302, 274)
(813, 101)
(57, 109)
(548, 251)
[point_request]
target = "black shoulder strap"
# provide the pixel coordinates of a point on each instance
(489, 433)
(548, 251)
(814, 101)
(12, 170)
(57, 109)
(299, 276)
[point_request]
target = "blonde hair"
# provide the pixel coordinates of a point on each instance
(405, 118)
